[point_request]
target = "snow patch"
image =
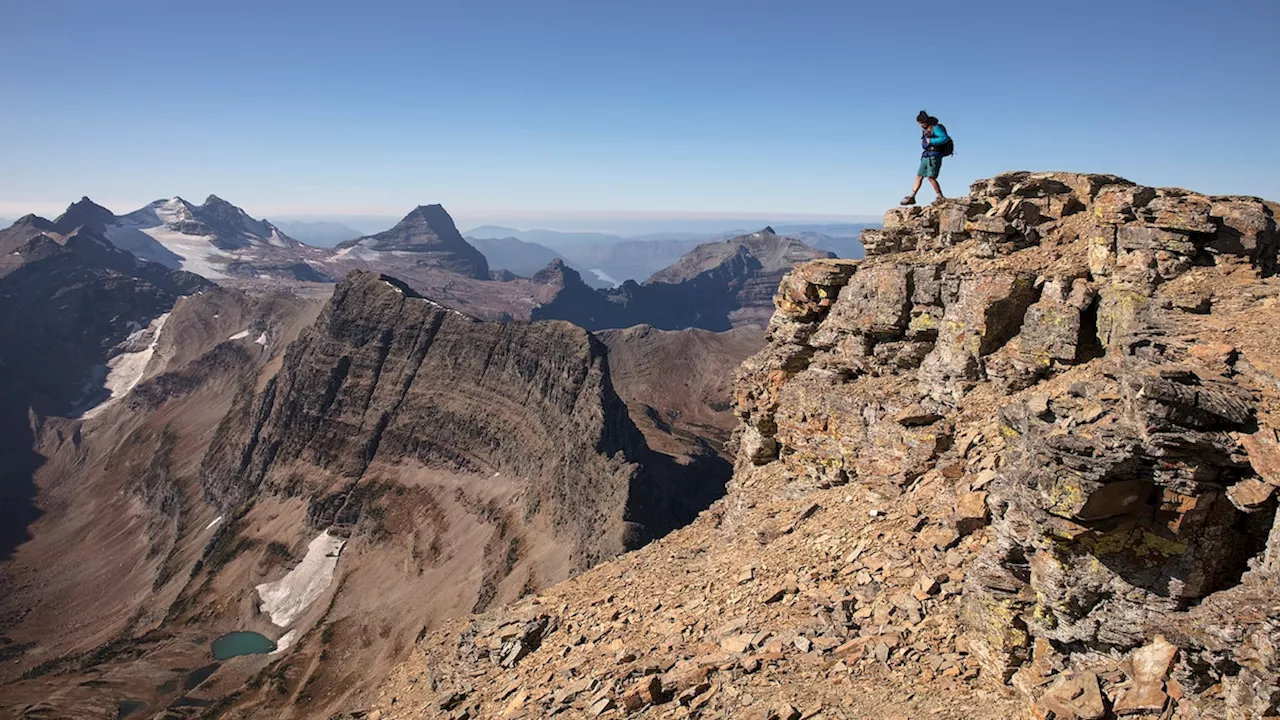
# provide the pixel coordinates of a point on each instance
(213, 522)
(240, 335)
(276, 239)
(357, 252)
(287, 598)
(285, 642)
(605, 277)
(262, 340)
(195, 253)
(125, 371)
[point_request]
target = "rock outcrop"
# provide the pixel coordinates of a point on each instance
(1123, 474)
(1030, 441)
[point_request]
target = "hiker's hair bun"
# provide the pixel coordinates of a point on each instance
(923, 116)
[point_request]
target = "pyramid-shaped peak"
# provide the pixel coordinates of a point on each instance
(84, 213)
(768, 230)
(214, 200)
(429, 229)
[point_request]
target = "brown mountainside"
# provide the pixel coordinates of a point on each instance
(678, 384)
(401, 463)
(1019, 462)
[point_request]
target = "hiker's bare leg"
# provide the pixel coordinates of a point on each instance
(916, 189)
(936, 188)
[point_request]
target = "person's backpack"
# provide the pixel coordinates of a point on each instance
(949, 147)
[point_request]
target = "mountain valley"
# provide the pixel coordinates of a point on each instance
(258, 460)
(1021, 460)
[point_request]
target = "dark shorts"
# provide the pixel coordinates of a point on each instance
(929, 167)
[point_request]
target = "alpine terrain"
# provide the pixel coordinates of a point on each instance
(1022, 461)
(337, 477)
(216, 240)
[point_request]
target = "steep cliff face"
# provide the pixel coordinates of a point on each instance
(386, 376)
(1029, 441)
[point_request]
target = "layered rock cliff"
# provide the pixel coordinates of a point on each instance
(387, 376)
(1021, 461)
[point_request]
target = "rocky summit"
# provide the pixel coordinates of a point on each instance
(1021, 461)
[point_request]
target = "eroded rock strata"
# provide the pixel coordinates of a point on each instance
(390, 376)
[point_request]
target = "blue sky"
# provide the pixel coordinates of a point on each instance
(505, 109)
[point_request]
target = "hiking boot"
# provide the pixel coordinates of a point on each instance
(908, 200)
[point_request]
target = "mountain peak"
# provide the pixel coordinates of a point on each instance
(434, 217)
(214, 201)
(84, 213)
(556, 271)
(33, 220)
(429, 230)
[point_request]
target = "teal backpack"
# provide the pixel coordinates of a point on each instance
(947, 148)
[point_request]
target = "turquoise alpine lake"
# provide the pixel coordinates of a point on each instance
(241, 643)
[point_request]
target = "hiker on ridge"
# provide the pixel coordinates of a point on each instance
(937, 145)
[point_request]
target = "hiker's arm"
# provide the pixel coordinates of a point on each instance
(938, 136)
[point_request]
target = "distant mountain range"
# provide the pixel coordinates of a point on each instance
(320, 233)
(597, 256)
(716, 286)
(215, 240)
(597, 280)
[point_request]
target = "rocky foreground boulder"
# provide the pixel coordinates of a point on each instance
(1020, 461)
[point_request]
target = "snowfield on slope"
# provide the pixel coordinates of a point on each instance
(287, 598)
(125, 370)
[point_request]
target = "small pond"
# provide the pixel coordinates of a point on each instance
(241, 643)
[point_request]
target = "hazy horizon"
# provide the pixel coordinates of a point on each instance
(623, 223)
